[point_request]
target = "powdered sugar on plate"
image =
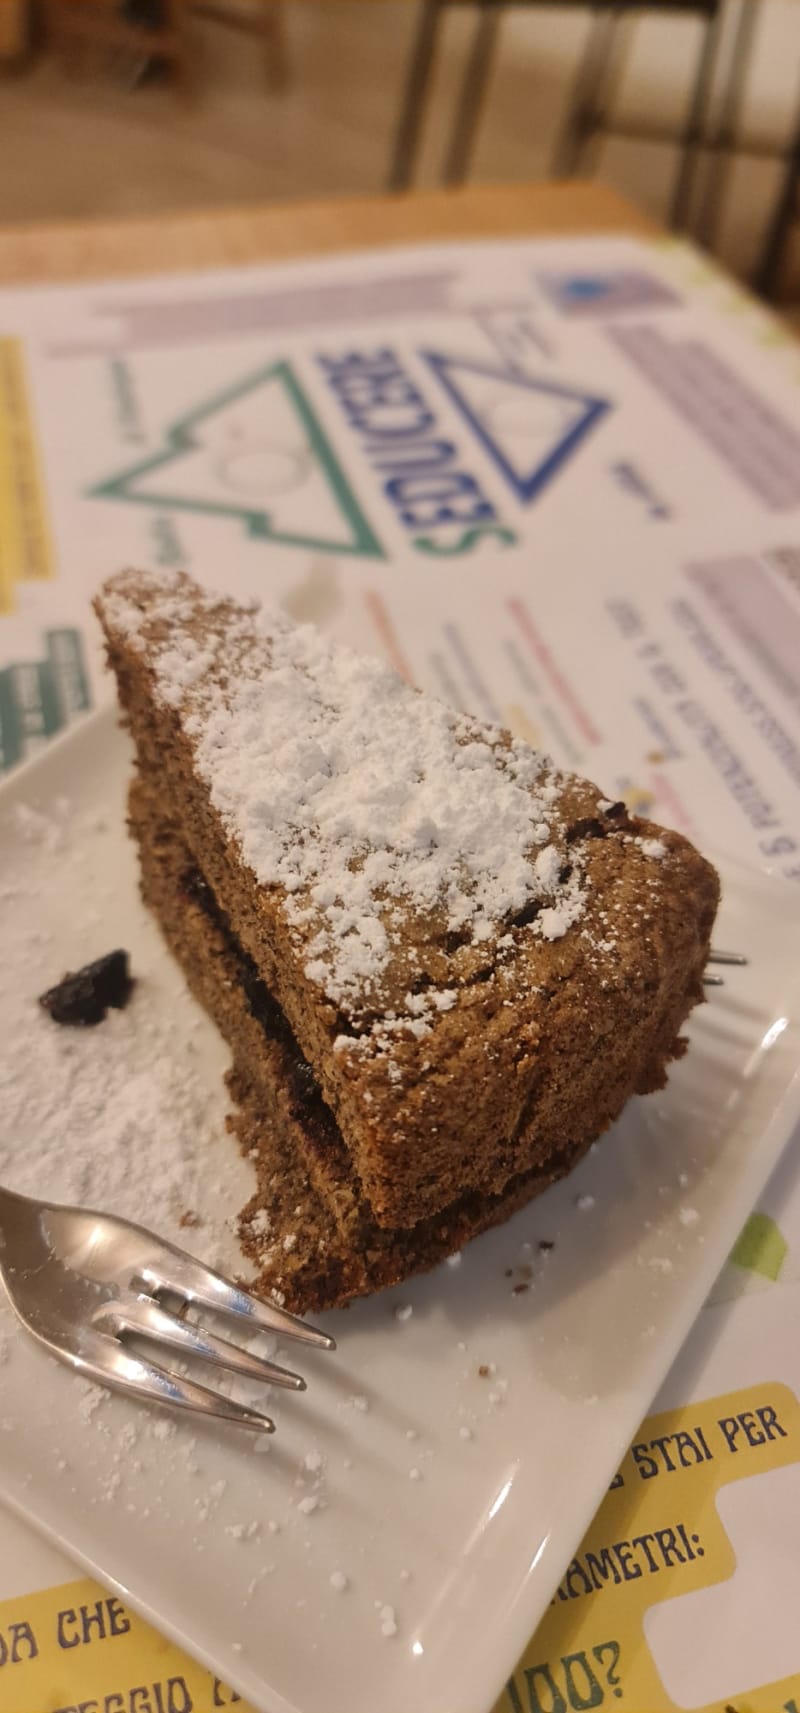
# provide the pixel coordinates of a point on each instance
(121, 1122)
(123, 1116)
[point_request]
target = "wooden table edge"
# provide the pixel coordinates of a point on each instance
(49, 252)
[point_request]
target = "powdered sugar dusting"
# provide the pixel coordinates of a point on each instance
(120, 1122)
(347, 788)
(115, 1117)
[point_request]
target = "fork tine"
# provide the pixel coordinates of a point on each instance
(196, 1283)
(720, 957)
(107, 1361)
(713, 981)
(147, 1319)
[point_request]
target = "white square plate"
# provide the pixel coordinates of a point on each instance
(463, 1533)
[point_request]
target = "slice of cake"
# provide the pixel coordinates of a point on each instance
(471, 959)
(308, 1228)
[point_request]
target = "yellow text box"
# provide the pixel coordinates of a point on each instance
(25, 544)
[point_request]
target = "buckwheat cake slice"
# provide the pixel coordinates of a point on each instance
(308, 1229)
(479, 957)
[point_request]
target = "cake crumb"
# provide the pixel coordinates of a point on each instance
(308, 1505)
(652, 848)
(312, 1461)
(454, 1260)
(465, 1432)
(162, 1429)
(339, 1581)
(403, 1311)
(359, 1402)
(92, 1398)
(585, 1203)
(688, 1215)
(388, 1621)
(415, 1474)
(266, 1570)
(83, 997)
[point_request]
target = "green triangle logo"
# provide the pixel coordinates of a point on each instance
(258, 453)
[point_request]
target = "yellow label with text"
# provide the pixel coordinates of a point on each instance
(75, 1649)
(656, 1535)
(25, 546)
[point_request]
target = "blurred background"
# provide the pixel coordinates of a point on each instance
(118, 107)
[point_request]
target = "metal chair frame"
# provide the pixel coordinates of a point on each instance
(587, 117)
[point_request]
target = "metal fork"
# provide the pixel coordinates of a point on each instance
(719, 957)
(86, 1283)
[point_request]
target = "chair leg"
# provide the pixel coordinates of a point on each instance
(586, 107)
(181, 64)
(276, 51)
(727, 128)
(473, 92)
(418, 80)
(770, 265)
(694, 131)
(67, 36)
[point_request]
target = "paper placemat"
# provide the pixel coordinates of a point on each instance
(558, 483)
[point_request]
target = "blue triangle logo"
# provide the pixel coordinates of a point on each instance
(529, 428)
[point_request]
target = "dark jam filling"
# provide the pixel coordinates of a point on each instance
(304, 1092)
(305, 1096)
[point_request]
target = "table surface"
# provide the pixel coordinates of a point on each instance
(230, 236)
